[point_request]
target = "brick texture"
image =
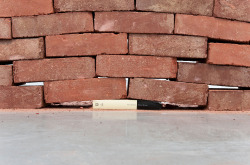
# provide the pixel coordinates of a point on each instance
(212, 27)
(54, 69)
(6, 78)
(200, 7)
(21, 97)
(228, 100)
(11, 8)
(85, 89)
(134, 22)
(229, 54)
(233, 9)
(168, 45)
(20, 49)
(60, 23)
(214, 74)
(5, 28)
(225, 100)
(86, 44)
(136, 66)
(93, 5)
(176, 93)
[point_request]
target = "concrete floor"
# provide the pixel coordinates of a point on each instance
(124, 138)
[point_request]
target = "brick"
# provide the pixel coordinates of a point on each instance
(168, 45)
(176, 93)
(211, 27)
(246, 102)
(136, 66)
(229, 54)
(233, 9)
(85, 90)
(54, 69)
(93, 5)
(21, 97)
(20, 49)
(134, 22)
(12, 8)
(59, 23)
(200, 7)
(220, 100)
(5, 28)
(86, 44)
(214, 74)
(6, 77)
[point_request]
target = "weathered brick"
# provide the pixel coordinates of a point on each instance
(229, 54)
(54, 69)
(6, 77)
(21, 97)
(5, 28)
(233, 9)
(11, 8)
(93, 5)
(246, 100)
(211, 27)
(59, 23)
(86, 44)
(220, 100)
(19, 49)
(176, 93)
(168, 45)
(201, 7)
(85, 89)
(134, 22)
(214, 74)
(136, 66)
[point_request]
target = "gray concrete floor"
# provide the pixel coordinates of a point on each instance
(124, 138)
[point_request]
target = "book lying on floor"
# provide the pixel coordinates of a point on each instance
(126, 104)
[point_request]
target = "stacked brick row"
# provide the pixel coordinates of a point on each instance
(70, 44)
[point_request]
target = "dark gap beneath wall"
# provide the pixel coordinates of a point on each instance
(211, 40)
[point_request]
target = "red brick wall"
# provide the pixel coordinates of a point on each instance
(70, 44)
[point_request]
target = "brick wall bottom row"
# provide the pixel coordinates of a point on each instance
(174, 93)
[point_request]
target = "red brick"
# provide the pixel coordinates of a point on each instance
(6, 77)
(85, 89)
(93, 5)
(21, 97)
(176, 93)
(54, 69)
(134, 22)
(220, 100)
(12, 8)
(229, 54)
(136, 66)
(168, 45)
(215, 28)
(200, 7)
(60, 23)
(86, 44)
(214, 74)
(5, 26)
(233, 9)
(246, 100)
(20, 49)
